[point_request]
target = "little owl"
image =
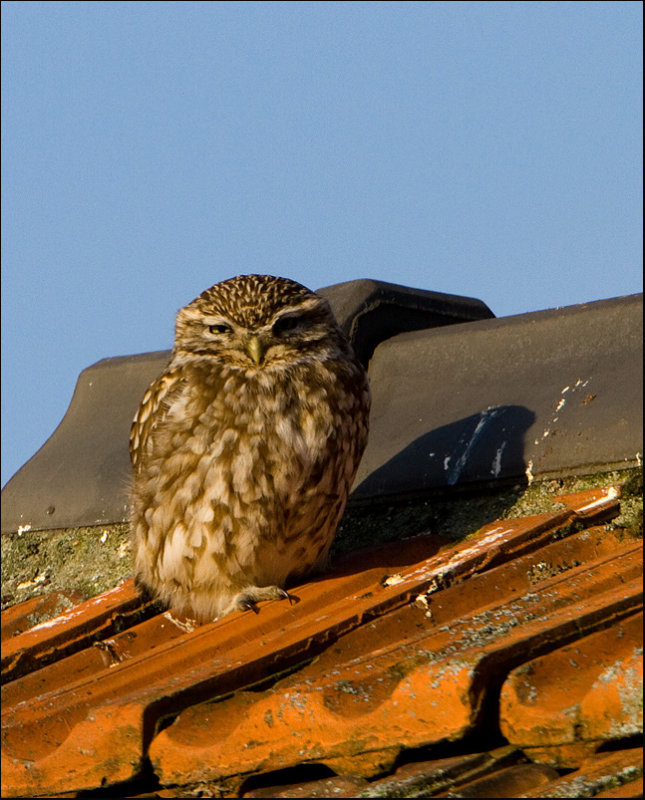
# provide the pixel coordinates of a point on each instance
(245, 448)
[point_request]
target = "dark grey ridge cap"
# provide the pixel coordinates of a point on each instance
(80, 475)
(353, 297)
(162, 356)
(371, 311)
(550, 393)
(454, 406)
(627, 301)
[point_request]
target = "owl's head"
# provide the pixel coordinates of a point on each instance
(258, 321)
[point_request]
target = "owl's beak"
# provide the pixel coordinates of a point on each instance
(255, 349)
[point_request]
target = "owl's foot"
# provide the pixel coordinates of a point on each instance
(249, 597)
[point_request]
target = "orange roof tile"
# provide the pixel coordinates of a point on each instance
(415, 644)
(601, 773)
(590, 691)
(23, 616)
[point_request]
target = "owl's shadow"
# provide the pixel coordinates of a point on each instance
(443, 486)
(483, 448)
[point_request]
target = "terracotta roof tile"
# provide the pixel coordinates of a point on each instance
(509, 782)
(345, 786)
(19, 618)
(403, 649)
(419, 691)
(600, 773)
(591, 691)
(630, 789)
(432, 777)
(74, 629)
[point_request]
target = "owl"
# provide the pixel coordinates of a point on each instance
(245, 448)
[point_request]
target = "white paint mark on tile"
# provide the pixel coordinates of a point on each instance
(611, 494)
(456, 470)
(78, 611)
(496, 466)
(186, 625)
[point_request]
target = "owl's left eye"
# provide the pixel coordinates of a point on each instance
(221, 328)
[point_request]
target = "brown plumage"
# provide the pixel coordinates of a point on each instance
(245, 448)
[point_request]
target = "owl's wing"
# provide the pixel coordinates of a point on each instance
(152, 411)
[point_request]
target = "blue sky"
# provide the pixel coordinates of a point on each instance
(151, 149)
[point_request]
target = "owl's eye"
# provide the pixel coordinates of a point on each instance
(221, 328)
(286, 324)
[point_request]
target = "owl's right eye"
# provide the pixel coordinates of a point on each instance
(221, 328)
(287, 324)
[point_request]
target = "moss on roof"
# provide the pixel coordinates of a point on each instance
(457, 515)
(91, 560)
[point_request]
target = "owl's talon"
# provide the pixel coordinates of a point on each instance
(286, 596)
(248, 598)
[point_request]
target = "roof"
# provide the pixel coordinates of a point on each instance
(508, 659)
(479, 633)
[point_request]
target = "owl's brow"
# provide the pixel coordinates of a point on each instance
(300, 307)
(216, 319)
